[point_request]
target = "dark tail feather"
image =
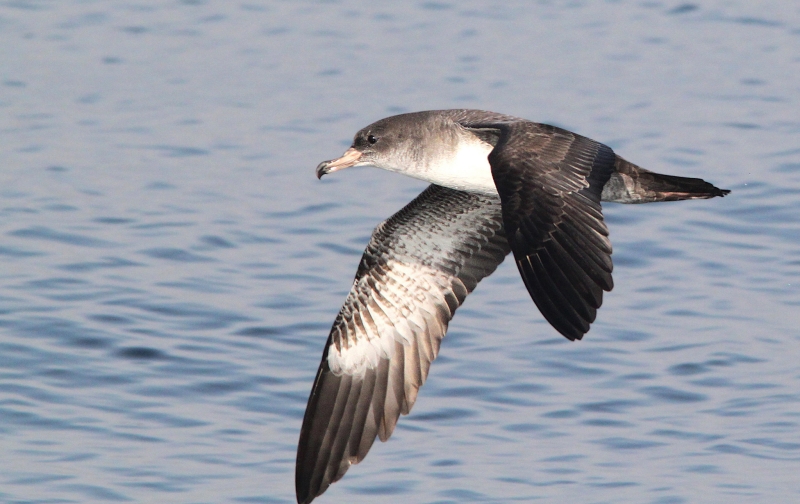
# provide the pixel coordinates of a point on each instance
(633, 184)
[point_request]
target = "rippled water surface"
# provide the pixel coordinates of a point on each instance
(170, 266)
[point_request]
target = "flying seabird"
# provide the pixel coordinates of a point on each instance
(499, 184)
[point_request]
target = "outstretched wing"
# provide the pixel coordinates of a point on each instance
(417, 269)
(550, 182)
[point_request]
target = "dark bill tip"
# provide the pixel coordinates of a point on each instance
(348, 159)
(322, 169)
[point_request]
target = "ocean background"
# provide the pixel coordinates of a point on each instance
(170, 266)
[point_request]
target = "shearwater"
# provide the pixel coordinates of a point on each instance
(499, 184)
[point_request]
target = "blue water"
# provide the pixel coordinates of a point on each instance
(170, 266)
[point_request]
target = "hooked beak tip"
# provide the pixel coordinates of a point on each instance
(348, 159)
(322, 169)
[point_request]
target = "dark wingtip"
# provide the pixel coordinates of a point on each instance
(305, 499)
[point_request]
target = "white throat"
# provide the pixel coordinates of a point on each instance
(462, 165)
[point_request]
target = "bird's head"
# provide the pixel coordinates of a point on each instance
(394, 144)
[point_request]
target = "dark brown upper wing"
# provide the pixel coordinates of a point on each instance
(550, 181)
(417, 269)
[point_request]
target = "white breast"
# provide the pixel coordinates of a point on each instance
(465, 168)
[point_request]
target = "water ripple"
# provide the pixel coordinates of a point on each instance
(174, 254)
(45, 233)
(669, 394)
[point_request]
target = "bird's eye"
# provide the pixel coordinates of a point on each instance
(372, 139)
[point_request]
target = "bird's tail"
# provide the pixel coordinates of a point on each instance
(633, 184)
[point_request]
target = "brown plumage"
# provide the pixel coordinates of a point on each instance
(500, 184)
